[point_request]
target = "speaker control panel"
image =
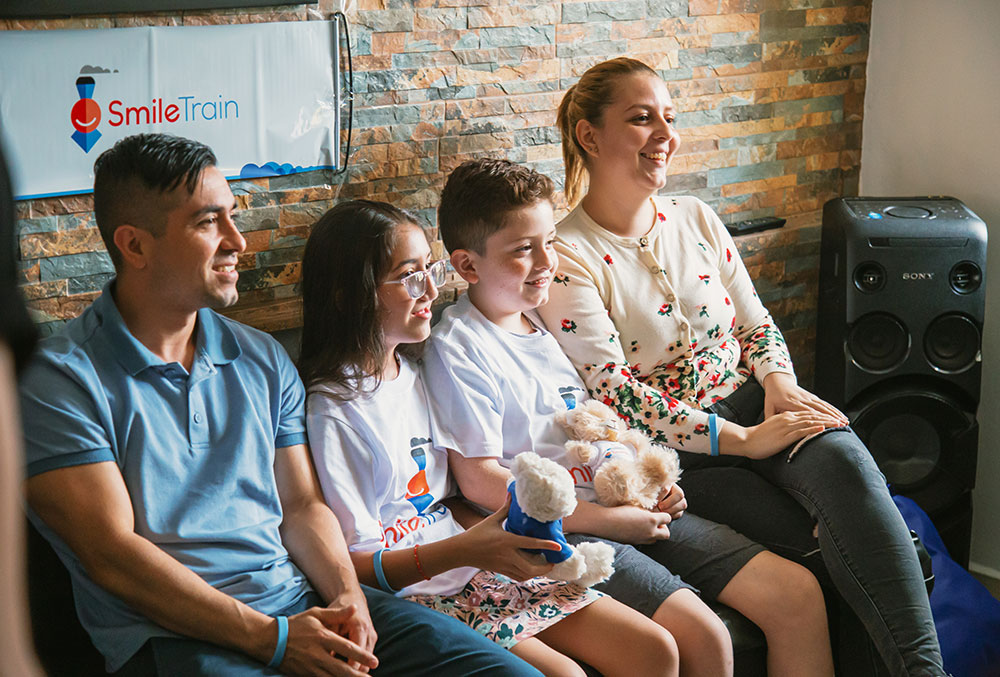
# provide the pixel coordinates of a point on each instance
(947, 208)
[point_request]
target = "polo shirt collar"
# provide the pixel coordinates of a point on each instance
(215, 340)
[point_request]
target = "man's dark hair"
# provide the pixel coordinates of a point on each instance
(136, 169)
(478, 196)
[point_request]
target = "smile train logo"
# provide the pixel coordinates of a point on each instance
(85, 115)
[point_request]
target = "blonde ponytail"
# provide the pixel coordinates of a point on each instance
(571, 151)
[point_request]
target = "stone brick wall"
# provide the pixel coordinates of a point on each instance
(769, 96)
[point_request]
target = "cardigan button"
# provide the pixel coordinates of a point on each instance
(654, 269)
(643, 242)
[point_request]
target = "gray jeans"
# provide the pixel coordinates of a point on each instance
(864, 546)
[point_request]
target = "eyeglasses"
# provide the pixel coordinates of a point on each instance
(415, 283)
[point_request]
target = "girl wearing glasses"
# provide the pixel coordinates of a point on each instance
(367, 288)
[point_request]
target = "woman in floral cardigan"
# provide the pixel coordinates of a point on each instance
(658, 314)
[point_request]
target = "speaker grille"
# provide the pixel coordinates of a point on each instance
(878, 342)
(908, 448)
(869, 277)
(909, 434)
(965, 277)
(952, 343)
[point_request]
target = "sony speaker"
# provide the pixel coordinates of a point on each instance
(898, 338)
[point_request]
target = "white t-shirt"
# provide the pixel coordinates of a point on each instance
(497, 392)
(382, 472)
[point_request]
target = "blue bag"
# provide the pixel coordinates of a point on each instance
(966, 616)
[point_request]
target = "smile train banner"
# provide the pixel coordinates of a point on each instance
(261, 95)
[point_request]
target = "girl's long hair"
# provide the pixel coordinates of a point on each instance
(347, 256)
(586, 100)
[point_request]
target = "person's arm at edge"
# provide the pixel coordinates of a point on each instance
(16, 653)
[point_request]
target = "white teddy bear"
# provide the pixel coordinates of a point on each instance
(628, 469)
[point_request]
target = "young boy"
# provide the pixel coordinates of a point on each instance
(498, 378)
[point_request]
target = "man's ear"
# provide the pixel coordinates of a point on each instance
(586, 136)
(134, 245)
(465, 262)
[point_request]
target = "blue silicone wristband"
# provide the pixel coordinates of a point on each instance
(713, 433)
(279, 650)
(380, 575)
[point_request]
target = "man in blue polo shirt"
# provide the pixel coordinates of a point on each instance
(168, 465)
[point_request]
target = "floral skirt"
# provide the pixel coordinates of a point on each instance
(507, 611)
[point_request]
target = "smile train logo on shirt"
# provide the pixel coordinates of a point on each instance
(417, 491)
(569, 395)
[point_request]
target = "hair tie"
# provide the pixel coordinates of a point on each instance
(713, 434)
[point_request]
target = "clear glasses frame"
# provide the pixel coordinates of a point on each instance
(415, 283)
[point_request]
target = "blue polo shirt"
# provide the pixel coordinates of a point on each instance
(196, 451)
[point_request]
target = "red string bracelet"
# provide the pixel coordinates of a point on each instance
(416, 559)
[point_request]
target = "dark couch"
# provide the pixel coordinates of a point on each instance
(66, 651)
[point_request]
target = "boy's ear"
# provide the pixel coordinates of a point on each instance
(465, 262)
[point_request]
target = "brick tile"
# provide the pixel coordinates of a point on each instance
(513, 15)
(42, 245)
(44, 290)
(71, 204)
(759, 186)
(831, 16)
(697, 7)
(59, 307)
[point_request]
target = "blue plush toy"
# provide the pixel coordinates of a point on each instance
(541, 494)
(519, 523)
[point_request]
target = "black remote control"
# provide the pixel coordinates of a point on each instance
(754, 225)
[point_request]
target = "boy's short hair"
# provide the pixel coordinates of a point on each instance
(478, 196)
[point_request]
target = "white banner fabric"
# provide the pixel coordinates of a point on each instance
(260, 95)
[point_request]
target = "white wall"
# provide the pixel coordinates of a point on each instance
(932, 127)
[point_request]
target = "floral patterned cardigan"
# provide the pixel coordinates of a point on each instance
(662, 326)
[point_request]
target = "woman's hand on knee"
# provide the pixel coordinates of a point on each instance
(774, 434)
(782, 393)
